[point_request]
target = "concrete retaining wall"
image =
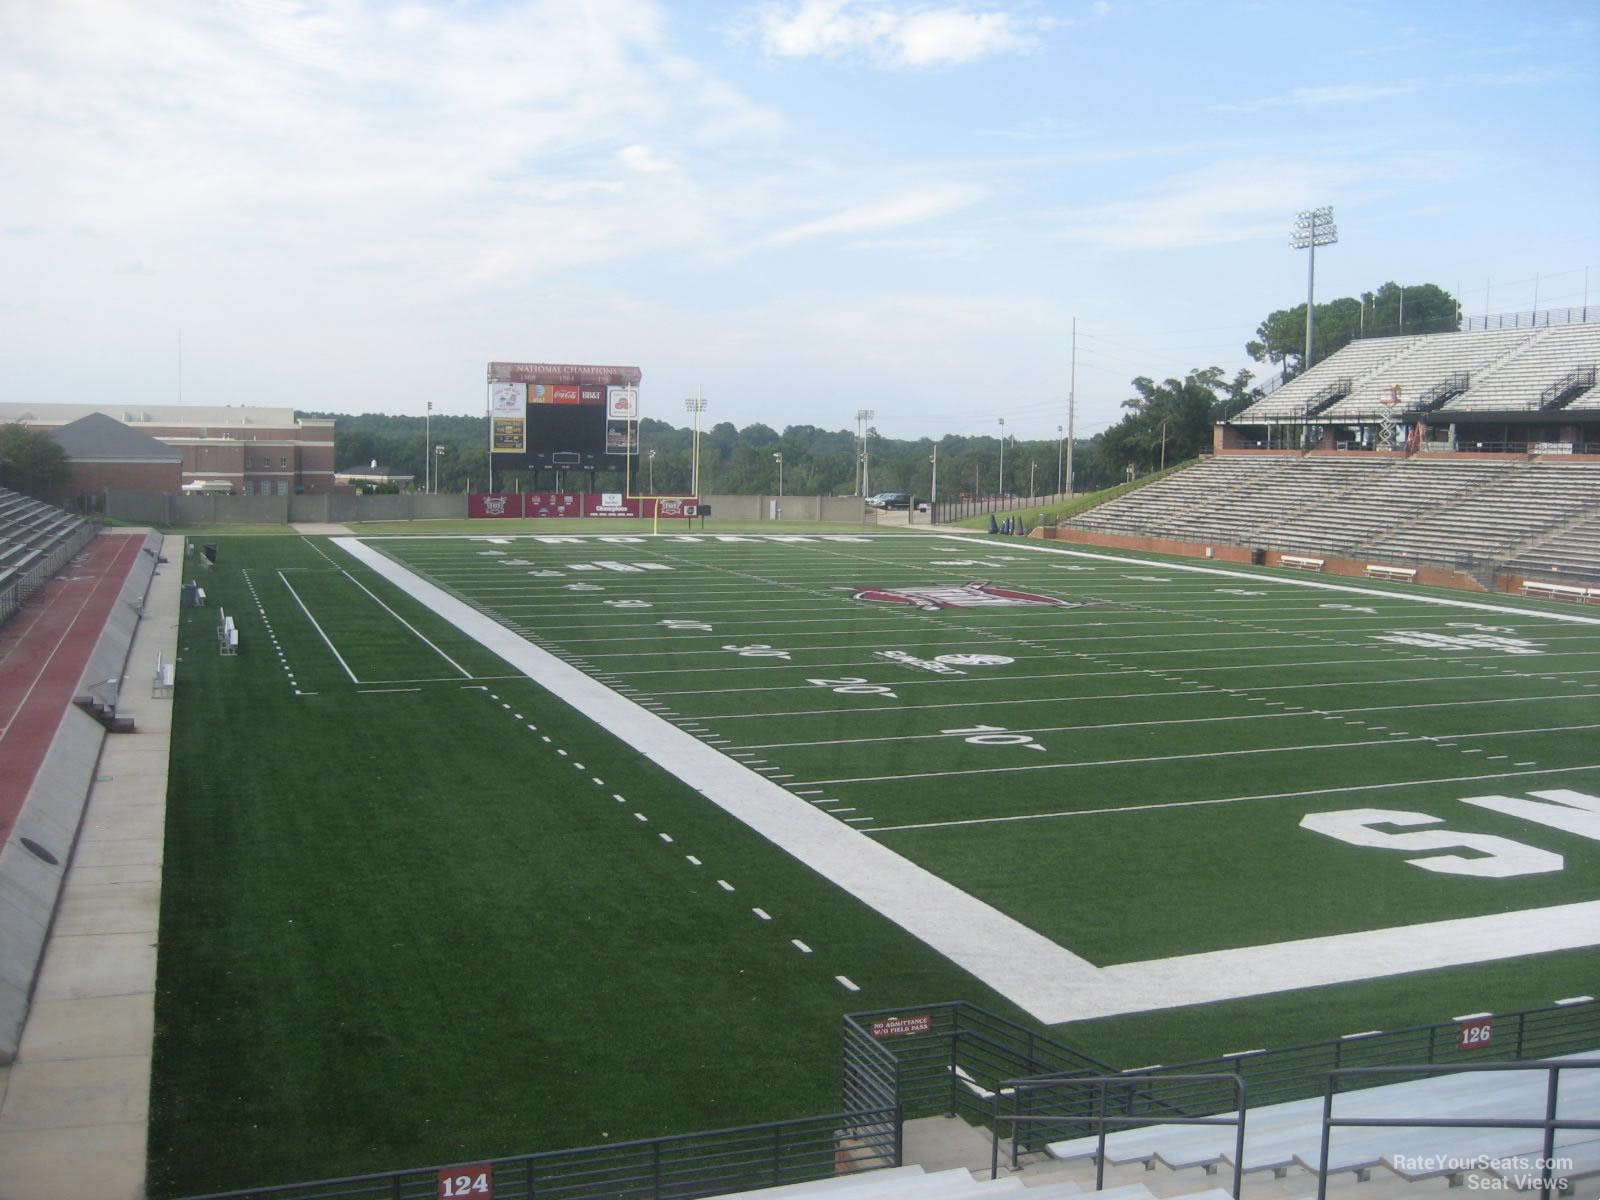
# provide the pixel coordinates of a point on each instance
(30, 886)
(341, 508)
(1355, 567)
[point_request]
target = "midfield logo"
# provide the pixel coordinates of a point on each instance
(977, 594)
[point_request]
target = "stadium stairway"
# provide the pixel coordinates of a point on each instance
(1283, 1142)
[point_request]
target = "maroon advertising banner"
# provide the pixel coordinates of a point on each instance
(492, 505)
(497, 504)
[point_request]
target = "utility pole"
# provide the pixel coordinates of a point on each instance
(1060, 450)
(933, 488)
(427, 449)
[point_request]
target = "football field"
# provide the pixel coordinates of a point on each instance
(1101, 784)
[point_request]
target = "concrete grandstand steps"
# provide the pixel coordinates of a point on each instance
(1285, 1139)
(1572, 548)
(940, 1143)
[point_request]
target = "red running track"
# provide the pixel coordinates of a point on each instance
(44, 650)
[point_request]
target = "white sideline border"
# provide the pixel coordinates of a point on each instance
(1043, 978)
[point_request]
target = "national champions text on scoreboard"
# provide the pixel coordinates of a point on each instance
(562, 414)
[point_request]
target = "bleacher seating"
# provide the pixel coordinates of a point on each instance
(1425, 509)
(36, 539)
(1366, 362)
(1572, 550)
(1427, 362)
(1490, 521)
(1507, 370)
(957, 1183)
(1280, 1137)
(1517, 380)
(227, 634)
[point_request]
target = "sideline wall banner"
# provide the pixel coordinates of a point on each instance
(493, 505)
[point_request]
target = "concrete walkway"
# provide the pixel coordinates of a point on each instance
(74, 1104)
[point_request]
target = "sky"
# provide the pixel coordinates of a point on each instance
(796, 209)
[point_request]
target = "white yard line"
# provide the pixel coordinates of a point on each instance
(1132, 809)
(327, 641)
(415, 631)
(1250, 752)
(1045, 979)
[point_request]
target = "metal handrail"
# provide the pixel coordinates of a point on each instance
(1549, 1123)
(725, 1160)
(1014, 1088)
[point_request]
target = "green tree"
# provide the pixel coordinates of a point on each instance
(1170, 421)
(31, 462)
(1392, 309)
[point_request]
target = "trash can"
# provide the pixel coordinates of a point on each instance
(190, 594)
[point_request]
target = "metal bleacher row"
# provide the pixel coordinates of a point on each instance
(35, 539)
(1506, 370)
(1527, 515)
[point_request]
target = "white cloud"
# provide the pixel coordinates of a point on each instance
(349, 132)
(1312, 97)
(644, 160)
(922, 205)
(893, 36)
(1231, 202)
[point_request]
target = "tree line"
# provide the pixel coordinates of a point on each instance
(1162, 424)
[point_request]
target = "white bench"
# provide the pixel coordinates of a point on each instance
(1559, 591)
(1381, 571)
(227, 634)
(166, 675)
(1300, 562)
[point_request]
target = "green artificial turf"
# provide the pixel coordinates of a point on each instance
(401, 927)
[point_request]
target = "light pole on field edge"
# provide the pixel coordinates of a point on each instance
(1002, 456)
(696, 405)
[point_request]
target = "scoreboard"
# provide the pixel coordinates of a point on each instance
(563, 415)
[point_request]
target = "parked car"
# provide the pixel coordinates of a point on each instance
(890, 500)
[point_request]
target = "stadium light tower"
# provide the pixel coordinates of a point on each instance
(1002, 456)
(777, 457)
(427, 453)
(1312, 228)
(863, 415)
(652, 460)
(696, 405)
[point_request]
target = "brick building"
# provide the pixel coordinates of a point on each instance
(255, 451)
